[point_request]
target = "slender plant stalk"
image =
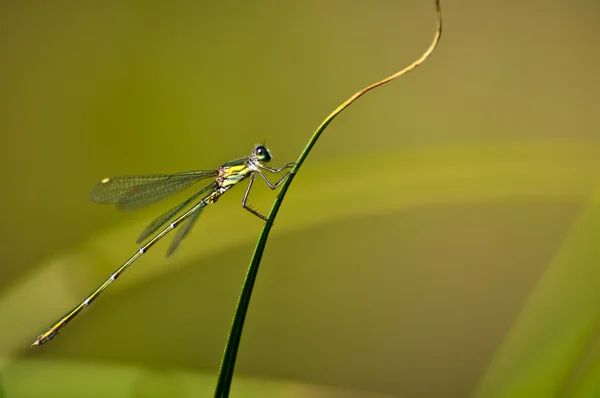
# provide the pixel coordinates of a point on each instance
(235, 334)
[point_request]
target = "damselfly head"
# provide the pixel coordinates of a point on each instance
(262, 153)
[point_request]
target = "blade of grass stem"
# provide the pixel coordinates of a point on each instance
(235, 334)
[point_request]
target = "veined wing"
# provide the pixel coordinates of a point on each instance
(130, 192)
(183, 230)
(170, 214)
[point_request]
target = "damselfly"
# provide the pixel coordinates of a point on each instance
(136, 191)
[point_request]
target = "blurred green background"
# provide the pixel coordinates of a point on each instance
(440, 241)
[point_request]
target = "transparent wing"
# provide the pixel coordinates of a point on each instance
(130, 192)
(169, 214)
(183, 230)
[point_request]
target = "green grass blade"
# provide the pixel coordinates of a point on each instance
(235, 334)
(546, 352)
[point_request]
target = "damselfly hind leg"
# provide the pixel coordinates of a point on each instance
(245, 199)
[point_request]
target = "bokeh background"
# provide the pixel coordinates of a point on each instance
(442, 240)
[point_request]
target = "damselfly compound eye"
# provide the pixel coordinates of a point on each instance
(262, 153)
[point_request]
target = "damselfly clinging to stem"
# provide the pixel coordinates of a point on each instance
(136, 191)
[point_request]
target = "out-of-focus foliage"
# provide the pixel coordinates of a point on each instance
(439, 241)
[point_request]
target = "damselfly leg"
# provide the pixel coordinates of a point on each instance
(271, 185)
